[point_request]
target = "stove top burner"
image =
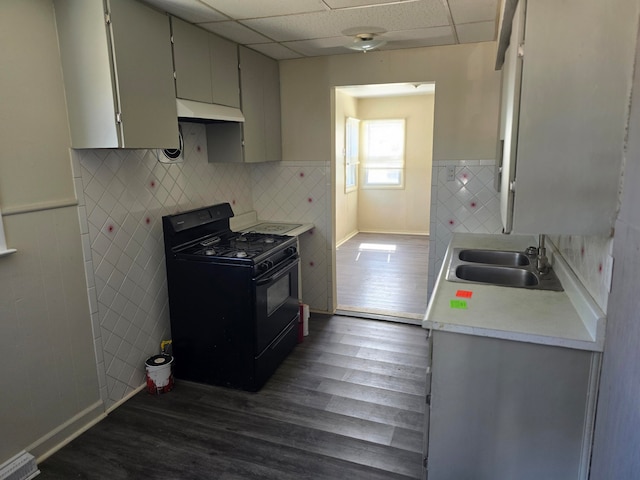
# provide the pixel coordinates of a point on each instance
(247, 245)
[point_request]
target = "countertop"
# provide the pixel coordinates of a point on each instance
(568, 319)
(246, 221)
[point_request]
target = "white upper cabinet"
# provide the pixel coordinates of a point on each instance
(260, 87)
(206, 65)
(118, 74)
(566, 82)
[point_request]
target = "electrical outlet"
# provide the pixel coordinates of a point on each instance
(451, 173)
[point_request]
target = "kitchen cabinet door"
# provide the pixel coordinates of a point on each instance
(206, 65)
(568, 137)
(260, 99)
(192, 61)
(225, 81)
(504, 409)
(118, 74)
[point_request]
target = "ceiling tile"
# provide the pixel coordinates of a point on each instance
(189, 10)
(337, 4)
(242, 9)
(236, 32)
(476, 32)
(275, 50)
(404, 16)
(420, 37)
(470, 11)
(320, 46)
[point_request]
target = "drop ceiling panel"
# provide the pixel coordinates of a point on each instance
(332, 24)
(468, 11)
(189, 10)
(275, 50)
(476, 32)
(337, 4)
(319, 46)
(420, 37)
(242, 9)
(236, 32)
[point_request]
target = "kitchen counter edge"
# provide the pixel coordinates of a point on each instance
(568, 319)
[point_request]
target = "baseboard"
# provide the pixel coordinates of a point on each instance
(53, 441)
(371, 314)
(132, 393)
(347, 238)
(395, 232)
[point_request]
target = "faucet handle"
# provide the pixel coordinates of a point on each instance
(531, 251)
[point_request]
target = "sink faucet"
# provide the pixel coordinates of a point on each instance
(542, 261)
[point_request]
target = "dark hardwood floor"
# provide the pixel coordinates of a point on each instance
(383, 274)
(347, 403)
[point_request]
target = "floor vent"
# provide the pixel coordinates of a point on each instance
(21, 467)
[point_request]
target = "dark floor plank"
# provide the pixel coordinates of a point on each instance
(331, 411)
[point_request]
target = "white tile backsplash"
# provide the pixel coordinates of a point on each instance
(590, 257)
(124, 195)
(469, 203)
(300, 192)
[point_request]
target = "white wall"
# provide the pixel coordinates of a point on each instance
(465, 113)
(617, 433)
(466, 109)
(346, 207)
(403, 210)
(48, 374)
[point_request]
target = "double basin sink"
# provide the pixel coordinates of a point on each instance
(500, 267)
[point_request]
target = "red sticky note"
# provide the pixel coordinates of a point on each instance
(464, 293)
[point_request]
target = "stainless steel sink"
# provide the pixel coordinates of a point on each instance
(497, 275)
(494, 257)
(501, 268)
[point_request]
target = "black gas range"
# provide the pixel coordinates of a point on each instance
(233, 298)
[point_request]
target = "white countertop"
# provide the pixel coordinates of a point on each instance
(246, 221)
(568, 319)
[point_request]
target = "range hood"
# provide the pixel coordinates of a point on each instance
(207, 112)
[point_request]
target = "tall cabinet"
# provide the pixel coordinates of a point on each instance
(567, 70)
(118, 74)
(260, 87)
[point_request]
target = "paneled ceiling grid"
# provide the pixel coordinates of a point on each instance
(285, 29)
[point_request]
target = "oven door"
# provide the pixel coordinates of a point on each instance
(276, 302)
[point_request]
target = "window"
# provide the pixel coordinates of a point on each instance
(351, 159)
(383, 155)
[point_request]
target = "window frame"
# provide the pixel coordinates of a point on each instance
(393, 164)
(351, 153)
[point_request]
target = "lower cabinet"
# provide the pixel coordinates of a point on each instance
(500, 409)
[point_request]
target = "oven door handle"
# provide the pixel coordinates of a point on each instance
(280, 273)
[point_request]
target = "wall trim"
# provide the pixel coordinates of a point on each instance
(60, 436)
(39, 206)
(128, 396)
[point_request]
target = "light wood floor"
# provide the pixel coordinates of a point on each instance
(383, 274)
(347, 403)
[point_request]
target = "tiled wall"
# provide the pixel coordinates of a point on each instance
(590, 257)
(300, 192)
(467, 203)
(123, 195)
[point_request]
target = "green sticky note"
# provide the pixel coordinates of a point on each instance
(459, 304)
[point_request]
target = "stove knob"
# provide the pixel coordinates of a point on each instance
(264, 266)
(290, 250)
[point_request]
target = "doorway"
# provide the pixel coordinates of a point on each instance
(382, 231)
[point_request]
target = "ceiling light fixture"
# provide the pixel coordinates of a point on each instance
(363, 42)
